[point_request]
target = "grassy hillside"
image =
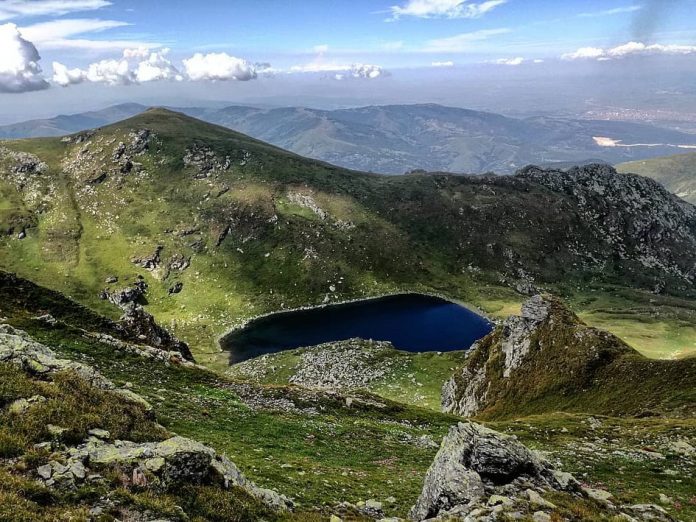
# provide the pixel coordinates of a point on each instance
(677, 173)
(222, 227)
(294, 440)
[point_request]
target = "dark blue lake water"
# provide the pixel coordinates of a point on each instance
(414, 323)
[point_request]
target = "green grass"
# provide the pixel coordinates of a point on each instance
(302, 452)
(442, 234)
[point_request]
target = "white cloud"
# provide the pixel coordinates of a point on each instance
(444, 8)
(111, 72)
(614, 11)
(321, 49)
(448, 63)
(361, 71)
(47, 32)
(19, 62)
(155, 67)
(150, 66)
(342, 71)
(16, 8)
(461, 42)
(584, 53)
(628, 49)
(510, 61)
(58, 34)
(218, 67)
(64, 76)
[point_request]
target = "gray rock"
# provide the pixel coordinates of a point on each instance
(537, 500)
(540, 516)
(474, 462)
(45, 471)
(170, 463)
(649, 512)
(597, 494)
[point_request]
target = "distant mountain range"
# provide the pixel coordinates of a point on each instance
(395, 139)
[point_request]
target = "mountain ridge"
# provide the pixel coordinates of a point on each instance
(395, 139)
(212, 220)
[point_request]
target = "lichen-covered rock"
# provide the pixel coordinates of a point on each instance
(19, 349)
(159, 465)
(475, 464)
(637, 217)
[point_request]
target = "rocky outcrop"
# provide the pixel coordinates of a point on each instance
(19, 349)
(637, 217)
(139, 324)
(205, 161)
(160, 466)
(343, 365)
(125, 296)
(480, 472)
(546, 359)
(143, 326)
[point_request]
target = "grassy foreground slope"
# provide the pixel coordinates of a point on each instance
(677, 173)
(222, 227)
(295, 440)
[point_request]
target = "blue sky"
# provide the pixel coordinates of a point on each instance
(277, 28)
(116, 43)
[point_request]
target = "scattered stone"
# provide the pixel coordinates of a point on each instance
(48, 319)
(537, 500)
(499, 500)
(21, 406)
(664, 499)
(99, 433)
(682, 447)
(540, 516)
(598, 494)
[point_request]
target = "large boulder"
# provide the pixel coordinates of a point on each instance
(161, 466)
(475, 464)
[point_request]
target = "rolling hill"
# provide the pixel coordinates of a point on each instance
(677, 173)
(208, 227)
(395, 139)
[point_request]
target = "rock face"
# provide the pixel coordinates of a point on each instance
(476, 468)
(547, 358)
(161, 466)
(142, 324)
(638, 218)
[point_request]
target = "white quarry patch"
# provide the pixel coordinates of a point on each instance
(603, 141)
